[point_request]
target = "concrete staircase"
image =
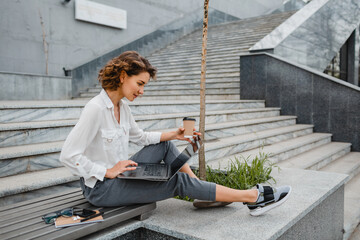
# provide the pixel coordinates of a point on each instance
(32, 133)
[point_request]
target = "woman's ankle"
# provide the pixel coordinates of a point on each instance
(254, 195)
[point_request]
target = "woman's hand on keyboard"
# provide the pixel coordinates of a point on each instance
(120, 167)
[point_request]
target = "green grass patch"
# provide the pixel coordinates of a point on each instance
(241, 173)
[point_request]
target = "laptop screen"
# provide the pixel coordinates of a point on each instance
(185, 155)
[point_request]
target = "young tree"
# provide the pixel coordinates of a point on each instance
(202, 168)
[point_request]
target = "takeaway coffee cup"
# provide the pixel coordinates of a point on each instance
(189, 124)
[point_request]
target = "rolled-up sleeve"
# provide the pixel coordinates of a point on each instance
(139, 137)
(72, 153)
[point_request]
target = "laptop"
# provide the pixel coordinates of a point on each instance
(163, 172)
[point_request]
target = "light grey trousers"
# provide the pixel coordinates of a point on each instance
(120, 192)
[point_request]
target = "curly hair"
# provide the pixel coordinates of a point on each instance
(131, 62)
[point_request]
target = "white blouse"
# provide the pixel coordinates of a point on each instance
(98, 141)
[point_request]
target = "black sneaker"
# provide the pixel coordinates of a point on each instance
(268, 198)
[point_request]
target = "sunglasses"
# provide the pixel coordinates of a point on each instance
(51, 217)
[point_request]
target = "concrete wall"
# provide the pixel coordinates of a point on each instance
(330, 104)
(34, 87)
(72, 43)
(315, 34)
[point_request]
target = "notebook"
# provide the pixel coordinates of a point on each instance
(75, 220)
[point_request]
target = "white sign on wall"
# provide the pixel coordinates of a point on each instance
(101, 14)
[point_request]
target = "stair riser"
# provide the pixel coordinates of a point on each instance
(213, 134)
(252, 144)
(234, 73)
(188, 87)
(185, 52)
(174, 108)
(194, 59)
(15, 198)
(181, 97)
(228, 63)
(51, 160)
(354, 173)
(194, 97)
(30, 163)
(190, 81)
(329, 159)
(194, 56)
(192, 91)
(212, 50)
(293, 152)
(180, 92)
(31, 136)
(195, 67)
(233, 131)
(209, 71)
(38, 114)
(44, 114)
(49, 134)
(191, 62)
(214, 46)
(166, 86)
(214, 118)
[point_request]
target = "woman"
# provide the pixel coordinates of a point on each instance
(97, 149)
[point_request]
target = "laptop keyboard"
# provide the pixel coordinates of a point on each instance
(153, 170)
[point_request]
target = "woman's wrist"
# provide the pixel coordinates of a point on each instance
(109, 173)
(167, 136)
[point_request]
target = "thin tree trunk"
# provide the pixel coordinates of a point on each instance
(202, 168)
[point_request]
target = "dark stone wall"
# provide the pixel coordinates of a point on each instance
(331, 105)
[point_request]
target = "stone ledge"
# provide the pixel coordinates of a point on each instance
(313, 194)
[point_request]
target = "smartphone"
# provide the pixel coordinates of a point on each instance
(84, 212)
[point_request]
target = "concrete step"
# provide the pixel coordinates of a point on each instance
(188, 73)
(210, 82)
(163, 86)
(315, 203)
(352, 206)
(39, 156)
(212, 49)
(231, 64)
(172, 120)
(28, 158)
(216, 43)
(12, 134)
(23, 111)
(233, 73)
(196, 79)
(227, 63)
(317, 158)
(178, 92)
(218, 148)
(219, 40)
(159, 107)
(30, 185)
(197, 58)
(348, 164)
(232, 146)
(280, 150)
(233, 96)
(215, 131)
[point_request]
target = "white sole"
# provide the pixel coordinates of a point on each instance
(261, 210)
